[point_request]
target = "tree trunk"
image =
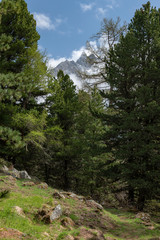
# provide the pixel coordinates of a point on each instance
(66, 183)
(131, 195)
(141, 201)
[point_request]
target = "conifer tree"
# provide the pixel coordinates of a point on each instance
(133, 134)
(62, 105)
(22, 71)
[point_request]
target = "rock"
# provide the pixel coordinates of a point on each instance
(66, 193)
(58, 195)
(19, 211)
(72, 195)
(42, 185)
(5, 168)
(57, 212)
(151, 227)
(48, 214)
(69, 237)
(75, 196)
(93, 204)
(28, 184)
(45, 234)
(143, 216)
(147, 224)
(67, 222)
(24, 175)
(16, 173)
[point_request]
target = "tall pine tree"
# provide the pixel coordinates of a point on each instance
(134, 118)
(22, 71)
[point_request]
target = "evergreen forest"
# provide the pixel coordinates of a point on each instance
(93, 141)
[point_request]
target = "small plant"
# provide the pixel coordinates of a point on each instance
(62, 235)
(74, 217)
(4, 193)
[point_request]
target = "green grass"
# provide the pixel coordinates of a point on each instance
(73, 217)
(31, 199)
(9, 219)
(129, 227)
(65, 233)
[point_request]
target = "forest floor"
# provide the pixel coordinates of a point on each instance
(20, 204)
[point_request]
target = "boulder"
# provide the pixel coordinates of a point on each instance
(24, 175)
(48, 214)
(57, 212)
(5, 168)
(143, 216)
(19, 211)
(43, 186)
(16, 173)
(45, 234)
(93, 204)
(58, 195)
(67, 222)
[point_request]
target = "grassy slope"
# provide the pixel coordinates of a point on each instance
(114, 224)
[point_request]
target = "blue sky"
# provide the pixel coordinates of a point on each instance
(66, 25)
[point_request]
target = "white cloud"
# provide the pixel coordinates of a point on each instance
(54, 62)
(101, 12)
(114, 3)
(109, 6)
(77, 53)
(76, 81)
(86, 7)
(43, 21)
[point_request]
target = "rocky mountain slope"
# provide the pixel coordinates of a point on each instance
(30, 209)
(70, 67)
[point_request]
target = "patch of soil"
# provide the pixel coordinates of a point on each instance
(88, 217)
(94, 220)
(9, 233)
(92, 234)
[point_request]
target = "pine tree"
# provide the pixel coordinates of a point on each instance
(22, 72)
(134, 115)
(62, 105)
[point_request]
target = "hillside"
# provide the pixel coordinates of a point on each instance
(25, 208)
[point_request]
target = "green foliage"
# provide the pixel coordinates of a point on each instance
(62, 105)
(19, 25)
(23, 74)
(133, 135)
(32, 125)
(4, 193)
